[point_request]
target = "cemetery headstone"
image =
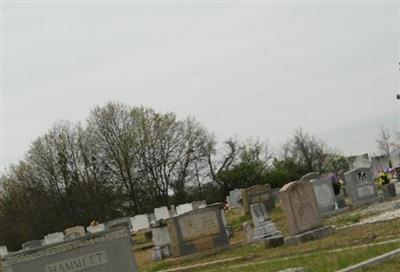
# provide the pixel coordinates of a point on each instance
(96, 228)
(140, 222)
(397, 188)
(229, 201)
(302, 213)
(184, 208)
(161, 213)
(198, 204)
(324, 194)
(360, 186)
(197, 230)
(359, 161)
(234, 198)
(380, 163)
(74, 232)
(101, 252)
(152, 217)
(52, 238)
(161, 241)
(389, 190)
(119, 222)
(395, 159)
(3, 251)
(257, 194)
(31, 244)
(311, 176)
(264, 228)
(172, 211)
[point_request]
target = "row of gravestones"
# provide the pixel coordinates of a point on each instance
(143, 221)
(301, 210)
(104, 247)
(206, 229)
(252, 195)
(359, 187)
(306, 201)
(185, 233)
(303, 202)
(377, 163)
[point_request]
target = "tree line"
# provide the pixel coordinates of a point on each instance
(126, 160)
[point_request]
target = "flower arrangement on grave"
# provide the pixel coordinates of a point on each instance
(383, 178)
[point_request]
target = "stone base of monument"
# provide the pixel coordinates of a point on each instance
(311, 235)
(335, 212)
(341, 202)
(274, 241)
(397, 188)
(389, 190)
(160, 253)
(262, 232)
(365, 202)
(268, 233)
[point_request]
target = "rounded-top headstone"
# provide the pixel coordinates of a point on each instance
(300, 206)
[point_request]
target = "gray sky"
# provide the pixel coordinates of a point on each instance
(251, 70)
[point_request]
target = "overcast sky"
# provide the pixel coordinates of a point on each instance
(250, 70)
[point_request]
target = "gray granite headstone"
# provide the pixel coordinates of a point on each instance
(359, 161)
(101, 252)
(119, 222)
(397, 188)
(162, 242)
(257, 194)
(324, 194)
(395, 159)
(360, 186)
(197, 230)
(311, 176)
(234, 197)
(54, 238)
(380, 163)
(198, 204)
(32, 244)
(229, 201)
(258, 214)
(263, 226)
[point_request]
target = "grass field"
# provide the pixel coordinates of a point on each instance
(346, 247)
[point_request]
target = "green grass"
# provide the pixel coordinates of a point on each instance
(391, 266)
(236, 219)
(318, 262)
(348, 219)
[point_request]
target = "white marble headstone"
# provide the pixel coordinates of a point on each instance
(53, 238)
(161, 213)
(96, 229)
(184, 208)
(140, 222)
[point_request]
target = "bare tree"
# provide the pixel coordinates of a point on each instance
(385, 142)
(306, 150)
(221, 161)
